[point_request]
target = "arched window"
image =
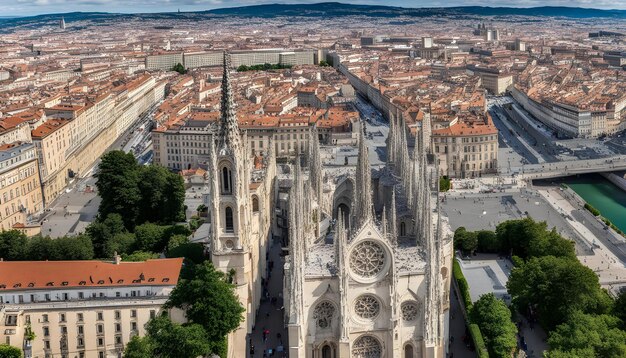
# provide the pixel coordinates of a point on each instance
(327, 352)
(408, 351)
(402, 228)
(255, 204)
(230, 225)
(227, 181)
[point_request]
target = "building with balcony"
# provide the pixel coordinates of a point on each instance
(82, 308)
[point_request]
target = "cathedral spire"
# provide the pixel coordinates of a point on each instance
(229, 128)
(296, 254)
(340, 239)
(363, 195)
(391, 140)
(393, 225)
(434, 297)
(426, 131)
(315, 165)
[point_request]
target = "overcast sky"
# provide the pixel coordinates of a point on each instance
(35, 7)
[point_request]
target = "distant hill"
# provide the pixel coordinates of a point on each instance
(325, 9)
(340, 9)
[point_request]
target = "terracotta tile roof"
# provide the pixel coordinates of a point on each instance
(49, 127)
(16, 275)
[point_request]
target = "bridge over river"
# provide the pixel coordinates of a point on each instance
(570, 167)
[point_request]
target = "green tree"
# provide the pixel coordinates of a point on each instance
(193, 252)
(550, 243)
(173, 340)
(619, 308)
(73, 248)
(555, 288)
(139, 347)
(179, 68)
(118, 176)
(103, 230)
(8, 351)
(591, 335)
(172, 209)
(12, 245)
(121, 243)
(41, 248)
(444, 184)
(152, 186)
(467, 241)
(177, 240)
(150, 237)
(488, 241)
(209, 300)
(528, 238)
(494, 319)
(140, 256)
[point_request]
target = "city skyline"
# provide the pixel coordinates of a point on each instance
(40, 7)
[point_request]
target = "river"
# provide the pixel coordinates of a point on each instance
(602, 195)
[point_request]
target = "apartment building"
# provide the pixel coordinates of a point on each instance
(203, 59)
(52, 140)
(20, 189)
(82, 308)
(184, 145)
(79, 132)
(134, 99)
(466, 149)
(492, 79)
(164, 61)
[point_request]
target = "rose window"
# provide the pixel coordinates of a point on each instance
(323, 314)
(367, 306)
(409, 311)
(366, 347)
(367, 259)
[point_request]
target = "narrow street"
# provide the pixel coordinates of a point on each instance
(270, 315)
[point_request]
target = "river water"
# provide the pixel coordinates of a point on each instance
(602, 195)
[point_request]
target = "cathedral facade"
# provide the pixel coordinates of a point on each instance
(368, 270)
(374, 283)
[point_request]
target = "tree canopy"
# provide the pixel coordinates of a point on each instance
(493, 318)
(585, 335)
(210, 301)
(16, 246)
(165, 338)
(138, 193)
(8, 351)
(524, 238)
(555, 287)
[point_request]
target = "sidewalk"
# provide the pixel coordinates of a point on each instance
(270, 315)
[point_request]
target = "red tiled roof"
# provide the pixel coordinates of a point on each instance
(16, 275)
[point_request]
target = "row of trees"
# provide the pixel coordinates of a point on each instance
(103, 240)
(524, 238)
(549, 284)
(16, 246)
(212, 309)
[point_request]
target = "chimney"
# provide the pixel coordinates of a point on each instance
(117, 258)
